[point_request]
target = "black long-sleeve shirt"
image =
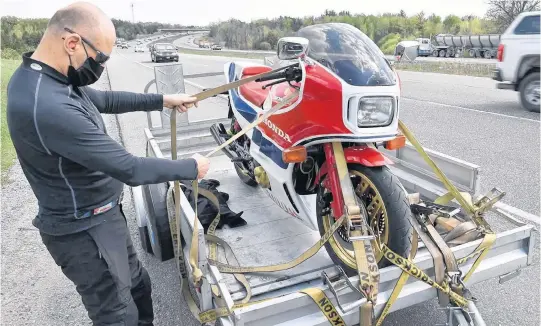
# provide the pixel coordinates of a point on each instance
(71, 163)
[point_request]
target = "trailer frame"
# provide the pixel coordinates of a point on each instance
(511, 251)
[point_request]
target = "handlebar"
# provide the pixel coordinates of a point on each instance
(276, 75)
(289, 73)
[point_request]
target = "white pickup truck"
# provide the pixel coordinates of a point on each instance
(518, 59)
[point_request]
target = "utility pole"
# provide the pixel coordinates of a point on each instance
(132, 15)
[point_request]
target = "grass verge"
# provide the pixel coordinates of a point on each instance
(222, 53)
(8, 152)
(451, 68)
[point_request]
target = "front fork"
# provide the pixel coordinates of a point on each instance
(332, 182)
(344, 200)
(359, 233)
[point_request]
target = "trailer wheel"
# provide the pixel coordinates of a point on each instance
(158, 221)
(374, 186)
(529, 92)
(487, 55)
(472, 53)
(442, 53)
(435, 53)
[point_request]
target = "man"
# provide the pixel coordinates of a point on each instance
(77, 172)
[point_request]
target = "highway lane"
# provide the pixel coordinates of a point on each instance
(475, 93)
(187, 41)
(470, 120)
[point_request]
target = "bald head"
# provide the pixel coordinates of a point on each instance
(84, 18)
(90, 34)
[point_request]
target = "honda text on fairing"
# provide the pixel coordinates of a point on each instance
(347, 93)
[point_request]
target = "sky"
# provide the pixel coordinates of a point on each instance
(202, 12)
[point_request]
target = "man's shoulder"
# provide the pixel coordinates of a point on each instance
(28, 90)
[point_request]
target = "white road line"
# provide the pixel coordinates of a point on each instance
(472, 110)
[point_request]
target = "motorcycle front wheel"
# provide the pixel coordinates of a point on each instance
(388, 209)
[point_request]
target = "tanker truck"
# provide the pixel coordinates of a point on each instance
(477, 46)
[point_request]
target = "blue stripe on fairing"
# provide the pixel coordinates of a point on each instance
(269, 149)
(265, 146)
(242, 107)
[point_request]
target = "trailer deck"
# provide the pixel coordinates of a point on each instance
(268, 239)
(272, 236)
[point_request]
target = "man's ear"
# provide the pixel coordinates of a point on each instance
(71, 43)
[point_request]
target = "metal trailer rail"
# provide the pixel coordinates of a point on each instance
(511, 251)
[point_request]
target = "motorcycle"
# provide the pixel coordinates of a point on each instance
(348, 92)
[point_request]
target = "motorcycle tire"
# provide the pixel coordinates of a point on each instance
(398, 218)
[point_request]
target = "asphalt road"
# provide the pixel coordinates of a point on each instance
(188, 42)
(466, 117)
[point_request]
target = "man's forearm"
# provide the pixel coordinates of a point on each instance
(156, 170)
(123, 102)
(115, 102)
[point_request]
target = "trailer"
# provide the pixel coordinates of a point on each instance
(477, 46)
(266, 240)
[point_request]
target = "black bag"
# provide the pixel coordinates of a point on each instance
(206, 210)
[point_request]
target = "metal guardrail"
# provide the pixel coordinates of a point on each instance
(193, 136)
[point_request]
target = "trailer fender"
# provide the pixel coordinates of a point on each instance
(363, 155)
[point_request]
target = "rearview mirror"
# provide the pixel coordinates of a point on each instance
(290, 48)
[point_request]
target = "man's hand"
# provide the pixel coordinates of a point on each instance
(180, 102)
(203, 164)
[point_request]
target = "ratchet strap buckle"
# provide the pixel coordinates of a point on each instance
(356, 221)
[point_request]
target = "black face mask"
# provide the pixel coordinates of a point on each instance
(87, 74)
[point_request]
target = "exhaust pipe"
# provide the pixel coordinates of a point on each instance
(215, 132)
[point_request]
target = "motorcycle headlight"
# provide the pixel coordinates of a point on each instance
(375, 111)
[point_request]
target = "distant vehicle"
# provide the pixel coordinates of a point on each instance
(407, 50)
(425, 47)
(124, 45)
(478, 46)
(518, 59)
(216, 47)
(139, 48)
(454, 46)
(163, 52)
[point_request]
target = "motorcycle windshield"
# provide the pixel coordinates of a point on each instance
(349, 53)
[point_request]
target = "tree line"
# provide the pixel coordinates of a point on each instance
(385, 30)
(21, 35)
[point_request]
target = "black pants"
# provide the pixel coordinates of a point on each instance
(103, 265)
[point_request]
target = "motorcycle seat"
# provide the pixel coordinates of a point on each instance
(252, 91)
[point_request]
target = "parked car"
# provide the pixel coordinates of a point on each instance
(139, 48)
(163, 52)
(216, 47)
